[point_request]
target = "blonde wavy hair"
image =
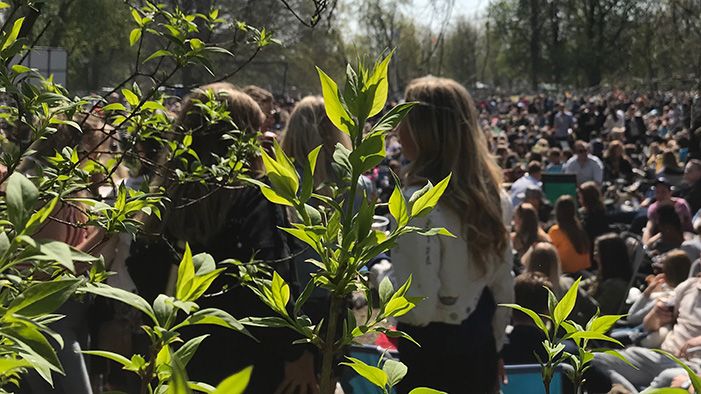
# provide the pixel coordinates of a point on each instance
(445, 130)
(309, 127)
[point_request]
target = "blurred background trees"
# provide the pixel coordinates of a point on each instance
(513, 44)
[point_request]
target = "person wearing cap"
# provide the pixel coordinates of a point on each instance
(663, 196)
(584, 165)
(530, 178)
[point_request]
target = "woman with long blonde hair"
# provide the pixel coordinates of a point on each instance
(463, 278)
(308, 128)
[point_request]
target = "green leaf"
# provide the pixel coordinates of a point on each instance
(118, 358)
(398, 207)
(603, 324)
(157, 54)
(188, 349)
(33, 342)
(534, 316)
(43, 297)
(592, 335)
(280, 291)
(59, 252)
(666, 390)
(392, 118)
(14, 33)
(332, 101)
(186, 274)
(308, 178)
(395, 371)
(215, 317)
(282, 178)
(386, 290)
(20, 69)
(114, 107)
(163, 308)
(425, 203)
(379, 78)
(400, 306)
(4, 5)
(134, 36)
(236, 383)
(9, 364)
(566, 304)
(369, 153)
(425, 390)
(20, 196)
(131, 97)
(124, 296)
(178, 378)
(374, 375)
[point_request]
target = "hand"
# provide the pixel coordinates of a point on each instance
(659, 316)
(690, 344)
(299, 376)
(655, 284)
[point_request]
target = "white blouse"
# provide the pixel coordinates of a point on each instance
(442, 269)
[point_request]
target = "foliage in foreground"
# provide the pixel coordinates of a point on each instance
(557, 329)
(340, 230)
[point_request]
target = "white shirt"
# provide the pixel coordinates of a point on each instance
(591, 170)
(442, 268)
(520, 186)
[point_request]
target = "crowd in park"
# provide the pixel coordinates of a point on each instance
(545, 189)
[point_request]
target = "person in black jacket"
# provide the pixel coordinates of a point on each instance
(228, 223)
(692, 180)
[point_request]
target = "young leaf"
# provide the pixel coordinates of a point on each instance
(395, 371)
(118, 358)
(566, 304)
(425, 390)
(20, 196)
(188, 349)
(186, 274)
(332, 101)
(236, 383)
(282, 178)
(374, 375)
(534, 316)
(386, 290)
(428, 200)
(124, 296)
(280, 291)
(379, 78)
(43, 297)
(134, 36)
(602, 324)
(392, 118)
(131, 98)
(14, 33)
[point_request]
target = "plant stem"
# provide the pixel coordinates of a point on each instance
(328, 350)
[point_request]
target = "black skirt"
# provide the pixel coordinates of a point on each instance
(453, 358)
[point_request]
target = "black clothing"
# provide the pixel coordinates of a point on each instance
(453, 358)
(523, 343)
(623, 170)
(251, 230)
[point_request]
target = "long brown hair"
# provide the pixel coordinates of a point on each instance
(199, 221)
(591, 197)
(529, 232)
(542, 257)
(444, 126)
(566, 217)
(309, 127)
